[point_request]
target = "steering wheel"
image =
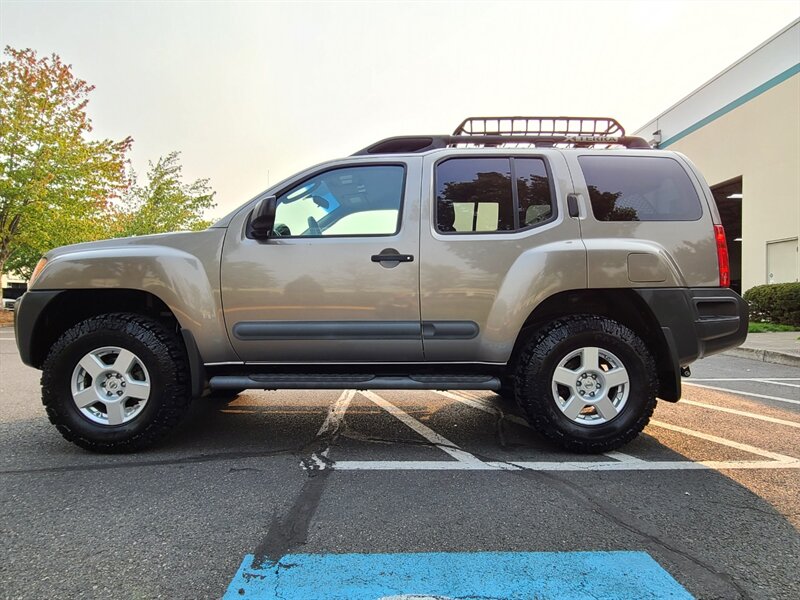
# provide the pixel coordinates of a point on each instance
(313, 227)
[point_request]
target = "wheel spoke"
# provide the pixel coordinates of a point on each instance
(137, 389)
(565, 377)
(124, 361)
(92, 365)
(115, 412)
(573, 408)
(606, 408)
(615, 377)
(85, 397)
(590, 359)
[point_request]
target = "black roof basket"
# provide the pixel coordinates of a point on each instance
(516, 132)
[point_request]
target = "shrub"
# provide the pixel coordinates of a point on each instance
(769, 327)
(775, 303)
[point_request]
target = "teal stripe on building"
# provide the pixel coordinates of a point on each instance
(767, 85)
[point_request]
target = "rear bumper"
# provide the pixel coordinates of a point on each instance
(698, 322)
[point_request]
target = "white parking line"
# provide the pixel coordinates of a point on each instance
(745, 378)
(741, 413)
(429, 434)
(794, 385)
(336, 413)
(621, 461)
(725, 442)
(773, 380)
(622, 457)
(648, 465)
(330, 426)
(481, 404)
(478, 403)
(413, 465)
(741, 393)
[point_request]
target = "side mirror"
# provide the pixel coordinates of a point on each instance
(263, 219)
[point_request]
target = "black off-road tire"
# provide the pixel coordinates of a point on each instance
(536, 366)
(162, 353)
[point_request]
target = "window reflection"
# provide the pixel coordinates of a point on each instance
(639, 188)
(474, 195)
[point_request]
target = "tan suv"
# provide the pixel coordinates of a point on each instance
(552, 260)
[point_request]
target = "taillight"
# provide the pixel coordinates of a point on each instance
(722, 256)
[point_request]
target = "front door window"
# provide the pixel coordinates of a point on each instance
(351, 201)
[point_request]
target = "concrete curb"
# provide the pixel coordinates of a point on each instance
(768, 356)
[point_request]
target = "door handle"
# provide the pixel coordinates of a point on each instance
(392, 258)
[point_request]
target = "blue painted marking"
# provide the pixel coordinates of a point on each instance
(442, 575)
(767, 85)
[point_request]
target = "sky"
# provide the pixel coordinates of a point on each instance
(252, 92)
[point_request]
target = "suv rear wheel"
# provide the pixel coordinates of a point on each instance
(116, 382)
(586, 382)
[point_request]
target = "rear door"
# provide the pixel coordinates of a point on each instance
(495, 241)
(326, 290)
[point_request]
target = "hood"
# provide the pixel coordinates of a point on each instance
(174, 240)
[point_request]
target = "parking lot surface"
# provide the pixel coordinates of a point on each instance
(705, 503)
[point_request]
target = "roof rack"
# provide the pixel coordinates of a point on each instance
(516, 132)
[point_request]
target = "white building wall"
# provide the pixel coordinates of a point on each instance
(745, 122)
(777, 57)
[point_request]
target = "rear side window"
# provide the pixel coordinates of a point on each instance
(481, 195)
(639, 188)
(533, 189)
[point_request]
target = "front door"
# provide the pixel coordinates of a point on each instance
(326, 290)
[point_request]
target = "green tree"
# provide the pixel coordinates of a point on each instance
(165, 203)
(56, 184)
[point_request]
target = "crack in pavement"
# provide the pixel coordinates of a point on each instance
(200, 458)
(700, 569)
(290, 530)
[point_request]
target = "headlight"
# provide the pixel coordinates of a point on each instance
(38, 269)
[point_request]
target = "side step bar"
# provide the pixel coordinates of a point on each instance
(295, 381)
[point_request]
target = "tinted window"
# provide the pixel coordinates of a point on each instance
(350, 201)
(533, 190)
(474, 194)
(631, 188)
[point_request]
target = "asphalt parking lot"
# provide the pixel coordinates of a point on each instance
(281, 490)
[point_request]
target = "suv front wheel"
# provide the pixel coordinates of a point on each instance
(587, 382)
(116, 382)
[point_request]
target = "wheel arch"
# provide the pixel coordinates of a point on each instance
(69, 307)
(622, 305)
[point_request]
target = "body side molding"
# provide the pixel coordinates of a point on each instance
(354, 330)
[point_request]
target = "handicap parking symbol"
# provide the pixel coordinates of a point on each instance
(616, 575)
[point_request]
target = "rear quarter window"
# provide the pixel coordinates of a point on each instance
(639, 188)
